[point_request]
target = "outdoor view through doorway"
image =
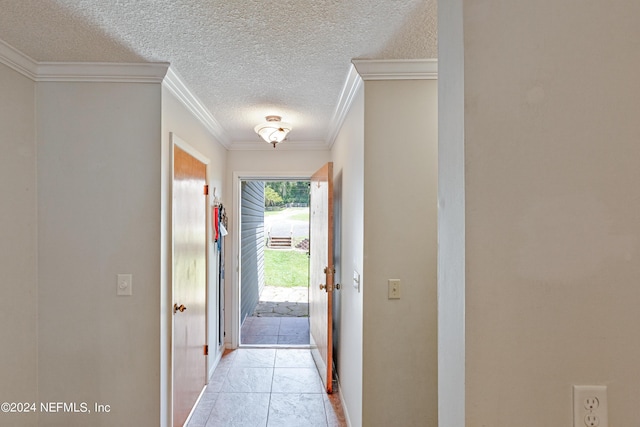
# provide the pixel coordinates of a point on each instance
(274, 276)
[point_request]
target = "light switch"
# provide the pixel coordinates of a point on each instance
(394, 288)
(125, 284)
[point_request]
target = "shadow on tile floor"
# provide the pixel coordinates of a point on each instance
(269, 388)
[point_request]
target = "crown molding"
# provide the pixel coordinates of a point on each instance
(151, 72)
(285, 145)
(352, 84)
(397, 69)
(112, 72)
(101, 72)
(176, 85)
(161, 72)
(18, 61)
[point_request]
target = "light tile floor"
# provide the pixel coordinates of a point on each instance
(267, 388)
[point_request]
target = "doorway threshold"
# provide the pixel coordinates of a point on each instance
(278, 346)
(288, 331)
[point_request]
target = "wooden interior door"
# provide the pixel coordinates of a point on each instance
(321, 272)
(189, 282)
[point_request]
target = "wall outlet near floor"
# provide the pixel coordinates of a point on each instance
(590, 406)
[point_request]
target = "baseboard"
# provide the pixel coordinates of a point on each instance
(221, 350)
(342, 402)
(186, 422)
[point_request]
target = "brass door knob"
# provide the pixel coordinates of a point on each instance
(323, 287)
(181, 308)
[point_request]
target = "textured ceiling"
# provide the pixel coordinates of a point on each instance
(243, 58)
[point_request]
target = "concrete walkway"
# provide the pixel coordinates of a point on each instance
(283, 302)
(281, 223)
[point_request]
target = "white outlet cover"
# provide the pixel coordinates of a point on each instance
(590, 407)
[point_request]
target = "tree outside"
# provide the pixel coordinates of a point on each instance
(272, 198)
(281, 193)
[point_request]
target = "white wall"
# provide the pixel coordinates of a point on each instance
(18, 231)
(177, 119)
(400, 209)
(553, 230)
(257, 163)
(451, 220)
(348, 166)
(98, 147)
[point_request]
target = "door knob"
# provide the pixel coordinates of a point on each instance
(326, 288)
(180, 309)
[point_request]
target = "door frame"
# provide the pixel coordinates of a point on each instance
(176, 141)
(233, 316)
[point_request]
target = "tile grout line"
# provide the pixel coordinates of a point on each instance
(219, 392)
(273, 372)
(324, 405)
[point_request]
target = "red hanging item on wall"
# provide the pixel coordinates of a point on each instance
(216, 224)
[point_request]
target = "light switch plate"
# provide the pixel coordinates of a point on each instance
(394, 288)
(124, 284)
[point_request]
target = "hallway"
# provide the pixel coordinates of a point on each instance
(267, 387)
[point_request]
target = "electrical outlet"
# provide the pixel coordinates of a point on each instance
(591, 403)
(590, 406)
(592, 420)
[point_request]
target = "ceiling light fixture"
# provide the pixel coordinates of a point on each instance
(273, 130)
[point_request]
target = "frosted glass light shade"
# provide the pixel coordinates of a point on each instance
(273, 130)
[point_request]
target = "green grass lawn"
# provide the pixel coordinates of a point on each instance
(286, 268)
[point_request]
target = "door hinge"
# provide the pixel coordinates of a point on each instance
(206, 350)
(206, 190)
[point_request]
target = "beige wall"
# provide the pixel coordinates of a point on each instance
(18, 231)
(177, 119)
(552, 223)
(98, 150)
(348, 166)
(400, 208)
